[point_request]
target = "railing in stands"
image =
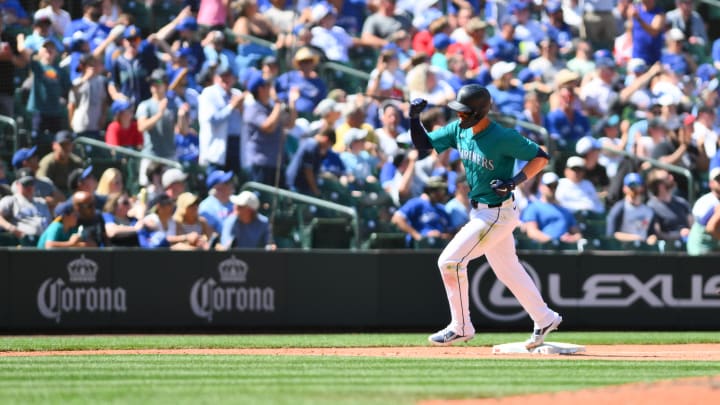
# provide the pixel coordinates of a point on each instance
(662, 165)
(349, 211)
(126, 151)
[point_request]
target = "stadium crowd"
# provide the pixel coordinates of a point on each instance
(239, 90)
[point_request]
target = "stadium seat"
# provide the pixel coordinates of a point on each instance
(327, 233)
(593, 228)
(8, 239)
(430, 243)
(671, 246)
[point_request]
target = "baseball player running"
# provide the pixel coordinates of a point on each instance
(488, 152)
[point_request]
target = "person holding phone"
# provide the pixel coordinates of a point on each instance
(648, 26)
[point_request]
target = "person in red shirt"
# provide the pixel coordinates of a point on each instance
(123, 130)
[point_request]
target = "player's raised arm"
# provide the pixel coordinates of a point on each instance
(418, 133)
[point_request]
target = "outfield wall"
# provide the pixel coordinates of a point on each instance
(251, 290)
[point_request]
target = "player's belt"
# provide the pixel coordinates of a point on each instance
(476, 204)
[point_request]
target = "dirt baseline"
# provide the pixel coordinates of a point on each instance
(705, 352)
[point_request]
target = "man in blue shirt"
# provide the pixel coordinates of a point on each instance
(246, 228)
(89, 24)
(425, 216)
(217, 206)
(304, 168)
(545, 220)
(565, 123)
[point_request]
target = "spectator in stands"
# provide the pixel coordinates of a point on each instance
(329, 112)
(424, 81)
(589, 149)
(506, 47)
(11, 58)
(583, 63)
(87, 101)
(220, 121)
(557, 28)
(359, 163)
(598, 94)
(599, 23)
(160, 228)
(123, 130)
(648, 26)
(303, 172)
(425, 216)
(631, 219)
(672, 212)
(58, 164)
(404, 183)
(216, 207)
(610, 137)
(549, 62)
(528, 31)
(131, 68)
(265, 121)
(532, 113)
(251, 22)
(110, 183)
(441, 43)
(25, 159)
(89, 24)
(331, 38)
(304, 79)
(22, 214)
(190, 223)
(216, 54)
(679, 150)
(173, 182)
(187, 30)
(387, 79)
(213, 14)
(704, 234)
(508, 98)
(458, 208)
(63, 230)
(156, 120)
(60, 18)
(474, 47)
(689, 22)
(380, 25)
(42, 32)
(187, 144)
(246, 228)
(83, 179)
(50, 86)
(121, 229)
(576, 193)
(566, 124)
(703, 130)
(391, 118)
(674, 56)
(545, 220)
(657, 133)
(150, 191)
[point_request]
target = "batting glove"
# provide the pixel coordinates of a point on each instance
(417, 106)
(502, 187)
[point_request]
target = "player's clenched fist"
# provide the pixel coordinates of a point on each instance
(417, 106)
(502, 187)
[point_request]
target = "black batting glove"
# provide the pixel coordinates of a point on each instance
(502, 187)
(417, 106)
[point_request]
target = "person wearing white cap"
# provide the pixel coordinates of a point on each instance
(359, 163)
(687, 20)
(246, 228)
(508, 98)
(589, 149)
(576, 193)
(549, 61)
(173, 181)
(704, 234)
(331, 38)
(545, 220)
(630, 219)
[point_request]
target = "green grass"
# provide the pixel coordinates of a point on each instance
(31, 343)
(180, 379)
(193, 379)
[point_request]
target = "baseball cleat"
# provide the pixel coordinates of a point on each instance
(447, 337)
(538, 336)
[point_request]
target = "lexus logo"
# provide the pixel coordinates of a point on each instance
(499, 304)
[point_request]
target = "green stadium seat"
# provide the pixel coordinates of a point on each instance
(327, 233)
(671, 246)
(430, 243)
(8, 239)
(593, 228)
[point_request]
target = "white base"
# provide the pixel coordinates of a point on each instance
(545, 348)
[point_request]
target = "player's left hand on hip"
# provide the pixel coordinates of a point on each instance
(502, 187)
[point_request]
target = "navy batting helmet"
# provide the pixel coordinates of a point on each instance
(474, 100)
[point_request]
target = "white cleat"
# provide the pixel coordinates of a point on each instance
(447, 337)
(538, 336)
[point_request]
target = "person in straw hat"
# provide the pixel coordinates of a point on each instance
(305, 78)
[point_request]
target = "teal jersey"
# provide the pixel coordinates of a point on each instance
(487, 155)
